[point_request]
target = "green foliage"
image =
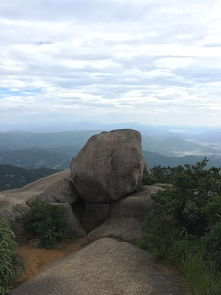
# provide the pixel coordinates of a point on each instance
(201, 278)
(147, 179)
(48, 223)
(185, 225)
(212, 245)
(10, 263)
(212, 210)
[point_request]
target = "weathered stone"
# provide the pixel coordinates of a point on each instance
(56, 188)
(109, 166)
(127, 217)
(94, 215)
(14, 212)
(61, 191)
(106, 267)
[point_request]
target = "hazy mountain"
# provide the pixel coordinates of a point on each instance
(155, 159)
(24, 140)
(175, 146)
(14, 177)
(56, 149)
(211, 137)
(155, 139)
(36, 157)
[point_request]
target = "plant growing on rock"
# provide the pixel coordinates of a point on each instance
(47, 223)
(10, 263)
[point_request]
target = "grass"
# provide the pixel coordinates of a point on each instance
(11, 264)
(200, 279)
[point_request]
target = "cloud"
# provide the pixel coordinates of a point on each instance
(157, 62)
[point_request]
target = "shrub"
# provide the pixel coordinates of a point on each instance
(147, 179)
(46, 222)
(10, 264)
(212, 246)
(184, 227)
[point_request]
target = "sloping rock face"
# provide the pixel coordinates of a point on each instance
(106, 267)
(14, 212)
(109, 166)
(56, 189)
(62, 191)
(127, 217)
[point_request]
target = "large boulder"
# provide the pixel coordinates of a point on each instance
(109, 166)
(127, 217)
(106, 267)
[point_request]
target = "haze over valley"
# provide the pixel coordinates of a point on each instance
(162, 145)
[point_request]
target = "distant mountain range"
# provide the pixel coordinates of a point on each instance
(22, 140)
(14, 177)
(155, 159)
(161, 145)
(37, 158)
(157, 140)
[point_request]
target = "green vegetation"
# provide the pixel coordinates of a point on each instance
(47, 223)
(11, 264)
(14, 177)
(185, 225)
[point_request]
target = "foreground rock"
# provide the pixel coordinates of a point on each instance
(127, 217)
(56, 188)
(106, 267)
(109, 166)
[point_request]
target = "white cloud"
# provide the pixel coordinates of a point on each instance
(158, 62)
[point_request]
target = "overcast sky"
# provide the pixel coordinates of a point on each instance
(150, 61)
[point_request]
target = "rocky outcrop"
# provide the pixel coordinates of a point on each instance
(14, 211)
(62, 191)
(54, 189)
(109, 166)
(127, 217)
(100, 197)
(106, 267)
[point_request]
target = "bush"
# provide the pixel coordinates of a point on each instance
(10, 264)
(147, 179)
(184, 227)
(212, 246)
(48, 223)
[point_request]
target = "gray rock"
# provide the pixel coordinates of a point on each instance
(127, 217)
(109, 166)
(56, 188)
(105, 267)
(62, 191)
(94, 215)
(75, 229)
(14, 212)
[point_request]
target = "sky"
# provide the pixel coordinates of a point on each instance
(155, 62)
